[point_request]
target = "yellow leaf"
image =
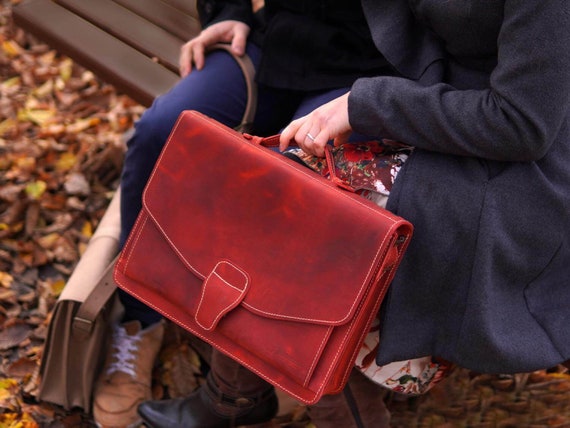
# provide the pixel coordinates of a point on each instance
(45, 89)
(28, 163)
(13, 81)
(36, 189)
(4, 394)
(11, 48)
(57, 287)
(66, 162)
(6, 279)
(40, 117)
(48, 58)
(81, 247)
(8, 383)
(66, 69)
(28, 421)
(82, 124)
(17, 420)
(48, 241)
(87, 229)
(37, 116)
(7, 125)
(565, 376)
(32, 103)
(59, 84)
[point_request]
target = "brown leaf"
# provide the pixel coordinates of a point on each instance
(77, 184)
(39, 256)
(11, 192)
(53, 202)
(8, 296)
(32, 217)
(65, 250)
(14, 213)
(60, 222)
(181, 370)
(6, 279)
(13, 334)
(22, 367)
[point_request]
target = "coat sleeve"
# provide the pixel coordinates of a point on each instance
(516, 118)
(213, 11)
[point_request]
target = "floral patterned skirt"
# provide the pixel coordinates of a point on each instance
(370, 169)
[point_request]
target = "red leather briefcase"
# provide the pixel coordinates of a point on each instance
(263, 258)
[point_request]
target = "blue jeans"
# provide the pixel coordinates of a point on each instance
(218, 91)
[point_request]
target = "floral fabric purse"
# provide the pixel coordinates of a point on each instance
(368, 168)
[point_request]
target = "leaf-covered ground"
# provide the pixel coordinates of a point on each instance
(61, 149)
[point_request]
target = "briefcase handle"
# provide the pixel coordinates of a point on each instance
(273, 141)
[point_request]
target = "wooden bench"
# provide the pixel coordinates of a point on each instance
(132, 44)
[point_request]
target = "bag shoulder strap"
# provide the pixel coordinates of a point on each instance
(248, 70)
(84, 319)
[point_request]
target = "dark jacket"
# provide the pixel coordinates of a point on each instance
(486, 280)
(306, 45)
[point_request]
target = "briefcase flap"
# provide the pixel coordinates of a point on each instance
(265, 233)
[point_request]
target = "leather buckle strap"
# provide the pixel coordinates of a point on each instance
(224, 289)
(82, 325)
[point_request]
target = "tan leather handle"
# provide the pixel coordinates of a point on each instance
(248, 70)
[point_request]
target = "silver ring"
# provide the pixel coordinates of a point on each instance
(310, 137)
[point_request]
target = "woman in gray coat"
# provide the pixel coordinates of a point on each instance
(485, 102)
(481, 91)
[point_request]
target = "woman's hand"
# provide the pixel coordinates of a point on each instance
(313, 131)
(192, 52)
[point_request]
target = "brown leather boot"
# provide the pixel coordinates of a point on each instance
(125, 380)
(232, 396)
(360, 405)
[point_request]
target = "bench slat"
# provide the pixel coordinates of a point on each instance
(112, 60)
(129, 27)
(183, 23)
(186, 6)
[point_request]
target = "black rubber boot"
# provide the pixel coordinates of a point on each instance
(232, 396)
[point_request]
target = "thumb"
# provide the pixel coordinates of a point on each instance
(239, 40)
(341, 139)
(238, 46)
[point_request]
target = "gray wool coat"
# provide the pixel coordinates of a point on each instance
(486, 102)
